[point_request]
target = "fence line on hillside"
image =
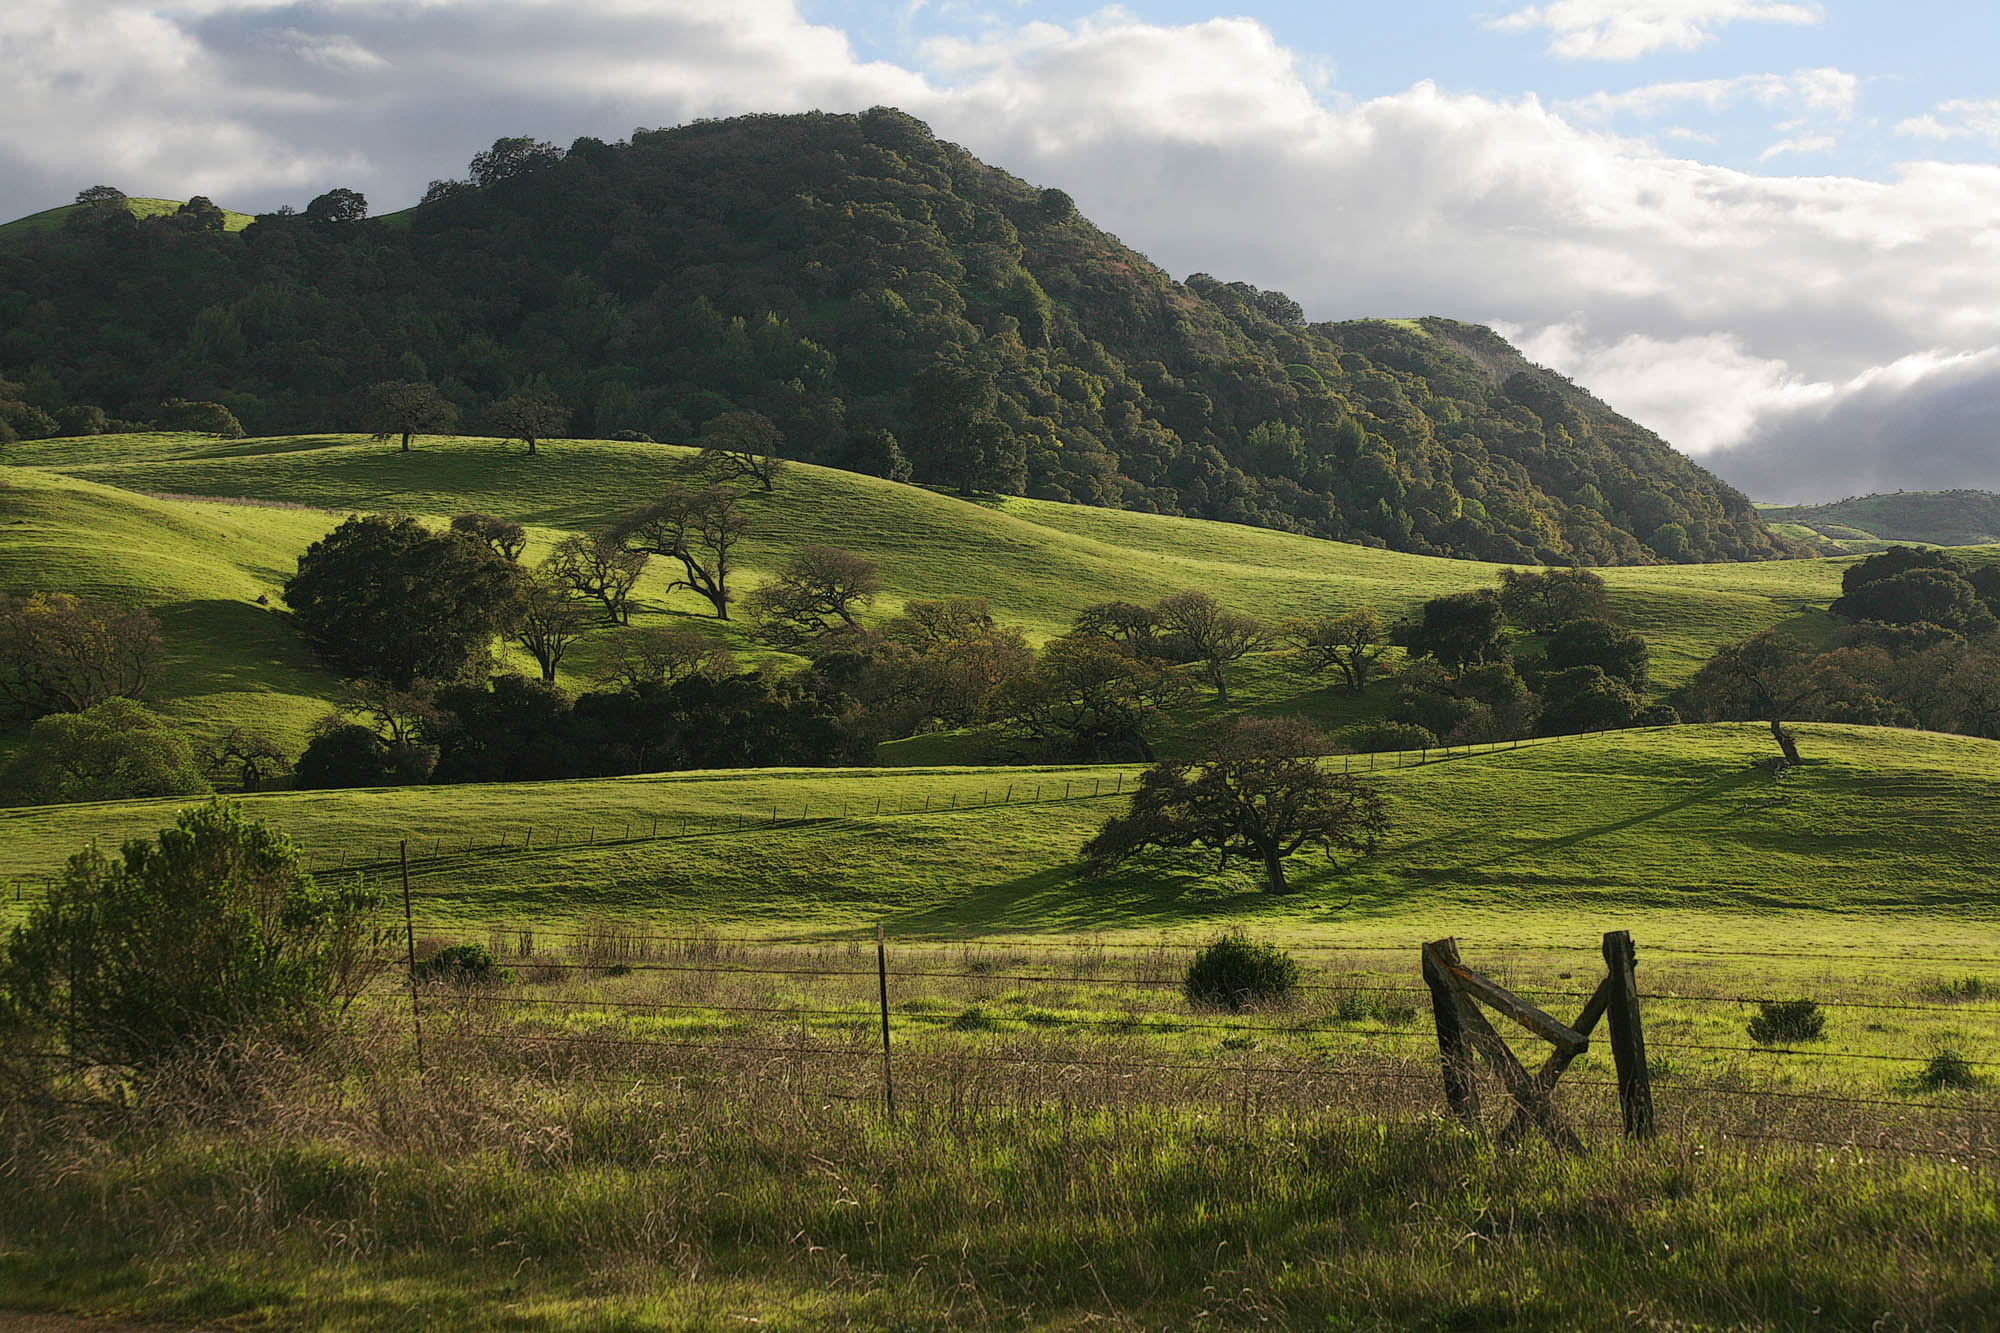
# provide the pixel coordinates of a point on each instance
(457, 849)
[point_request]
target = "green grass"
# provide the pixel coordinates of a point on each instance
(79, 527)
(1880, 831)
(51, 219)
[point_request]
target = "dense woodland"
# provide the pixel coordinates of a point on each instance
(894, 305)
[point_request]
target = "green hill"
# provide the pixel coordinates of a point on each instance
(81, 519)
(891, 302)
(52, 219)
(1935, 518)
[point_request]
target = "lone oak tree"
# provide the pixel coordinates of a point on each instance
(743, 444)
(696, 525)
(407, 408)
(527, 418)
(1201, 630)
(1261, 793)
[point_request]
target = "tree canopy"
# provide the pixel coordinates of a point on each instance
(387, 598)
(1260, 792)
(988, 339)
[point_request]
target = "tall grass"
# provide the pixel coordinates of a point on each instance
(338, 1189)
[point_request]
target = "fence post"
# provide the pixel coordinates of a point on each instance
(882, 978)
(410, 947)
(1460, 1092)
(528, 839)
(1628, 1038)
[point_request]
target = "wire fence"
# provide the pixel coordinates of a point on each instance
(626, 1005)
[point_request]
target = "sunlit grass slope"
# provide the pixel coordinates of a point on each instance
(1880, 831)
(200, 568)
(1038, 562)
(49, 219)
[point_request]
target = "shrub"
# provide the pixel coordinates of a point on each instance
(460, 965)
(209, 930)
(1947, 1070)
(1234, 971)
(1781, 1022)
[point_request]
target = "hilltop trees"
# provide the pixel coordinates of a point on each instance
(1000, 343)
(406, 409)
(1259, 792)
(387, 598)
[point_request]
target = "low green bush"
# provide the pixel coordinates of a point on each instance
(461, 965)
(1782, 1022)
(1234, 971)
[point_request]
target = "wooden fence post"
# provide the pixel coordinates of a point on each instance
(410, 956)
(1628, 1038)
(1460, 1092)
(882, 978)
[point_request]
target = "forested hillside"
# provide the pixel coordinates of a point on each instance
(894, 305)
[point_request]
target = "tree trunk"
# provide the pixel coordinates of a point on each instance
(1786, 741)
(406, 440)
(1221, 686)
(531, 446)
(1274, 871)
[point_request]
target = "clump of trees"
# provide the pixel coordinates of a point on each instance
(110, 750)
(1921, 649)
(64, 654)
(387, 598)
(1258, 792)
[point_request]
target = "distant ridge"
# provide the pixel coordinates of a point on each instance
(1935, 518)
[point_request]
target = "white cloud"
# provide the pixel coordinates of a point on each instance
(1961, 119)
(1814, 143)
(1829, 92)
(1628, 29)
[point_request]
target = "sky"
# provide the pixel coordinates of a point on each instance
(1768, 229)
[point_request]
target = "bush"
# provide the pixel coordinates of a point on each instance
(211, 929)
(1782, 1022)
(460, 965)
(1235, 971)
(1947, 1070)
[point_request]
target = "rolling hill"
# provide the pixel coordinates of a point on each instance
(88, 516)
(52, 219)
